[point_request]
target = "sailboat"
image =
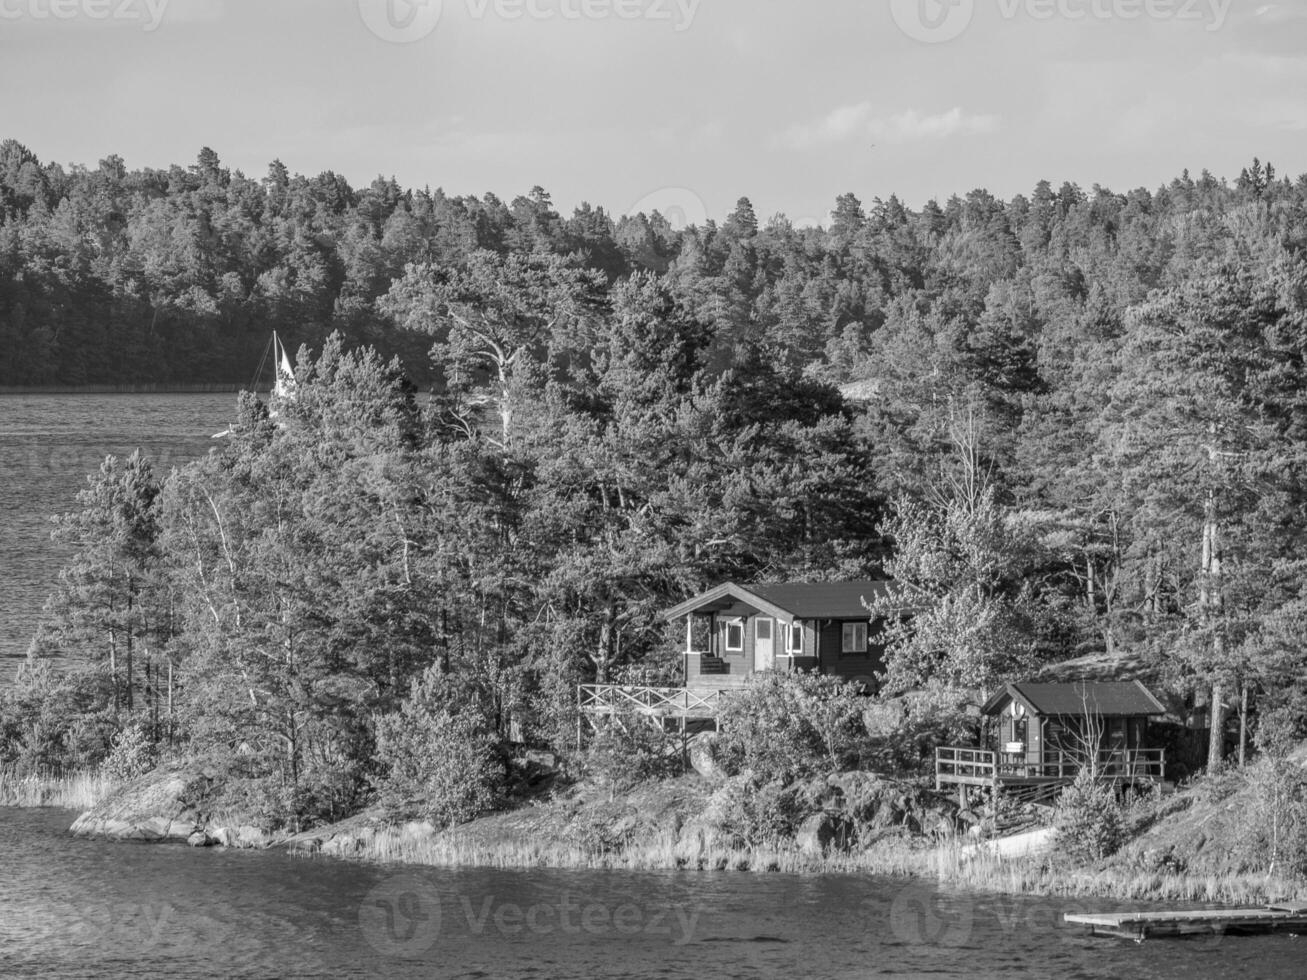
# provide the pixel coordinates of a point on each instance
(283, 383)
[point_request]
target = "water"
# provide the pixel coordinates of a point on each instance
(76, 908)
(48, 445)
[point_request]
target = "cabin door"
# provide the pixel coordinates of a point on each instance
(764, 644)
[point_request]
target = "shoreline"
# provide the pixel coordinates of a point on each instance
(509, 841)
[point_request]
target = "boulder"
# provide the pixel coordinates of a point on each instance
(823, 832)
(166, 804)
(704, 758)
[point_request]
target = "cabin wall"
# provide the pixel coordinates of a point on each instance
(833, 660)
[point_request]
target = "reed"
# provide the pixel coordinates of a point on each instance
(75, 791)
(949, 862)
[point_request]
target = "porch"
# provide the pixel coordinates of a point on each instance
(676, 711)
(1015, 774)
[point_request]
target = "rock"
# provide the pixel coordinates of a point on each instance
(823, 832)
(541, 759)
(250, 837)
(165, 804)
(198, 839)
(704, 758)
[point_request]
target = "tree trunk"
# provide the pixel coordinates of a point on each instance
(1243, 725)
(1209, 601)
(1216, 735)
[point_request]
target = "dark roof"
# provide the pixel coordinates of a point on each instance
(1075, 698)
(792, 600)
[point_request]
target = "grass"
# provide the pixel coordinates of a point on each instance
(78, 791)
(949, 862)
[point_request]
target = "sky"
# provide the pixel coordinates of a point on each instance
(683, 105)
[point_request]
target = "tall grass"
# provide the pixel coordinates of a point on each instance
(949, 862)
(76, 791)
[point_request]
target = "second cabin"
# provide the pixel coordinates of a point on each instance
(734, 631)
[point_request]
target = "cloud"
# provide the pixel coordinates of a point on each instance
(859, 121)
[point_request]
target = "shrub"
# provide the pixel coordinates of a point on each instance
(752, 813)
(439, 754)
(784, 727)
(629, 750)
(1089, 821)
(132, 754)
(1274, 829)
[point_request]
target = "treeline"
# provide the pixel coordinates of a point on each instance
(1073, 423)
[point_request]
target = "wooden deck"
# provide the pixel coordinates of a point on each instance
(968, 766)
(1291, 917)
(660, 702)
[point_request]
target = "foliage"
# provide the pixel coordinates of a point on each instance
(132, 754)
(628, 750)
(1274, 836)
(782, 727)
(1088, 818)
(752, 812)
(439, 756)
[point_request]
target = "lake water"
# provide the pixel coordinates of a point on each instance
(48, 445)
(77, 908)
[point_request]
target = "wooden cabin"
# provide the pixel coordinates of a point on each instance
(733, 632)
(1043, 735)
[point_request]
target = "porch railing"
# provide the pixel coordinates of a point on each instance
(605, 699)
(975, 766)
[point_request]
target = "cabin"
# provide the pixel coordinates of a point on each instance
(733, 632)
(1043, 735)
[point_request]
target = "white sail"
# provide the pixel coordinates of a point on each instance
(284, 386)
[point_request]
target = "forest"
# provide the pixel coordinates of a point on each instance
(1071, 423)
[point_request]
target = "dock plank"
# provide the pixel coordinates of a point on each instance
(1139, 925)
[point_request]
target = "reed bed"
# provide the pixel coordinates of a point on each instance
(950, 862)
(75, 791)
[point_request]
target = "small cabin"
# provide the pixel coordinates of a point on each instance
(733, 632)
(1045, 734)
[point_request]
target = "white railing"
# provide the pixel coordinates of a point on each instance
(603, 699)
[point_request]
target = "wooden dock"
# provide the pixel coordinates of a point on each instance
(1288, 917)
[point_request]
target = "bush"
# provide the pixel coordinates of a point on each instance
(439, 754)
(783, 727)
(1089, 821)
(752, 813)
(629, 750)
(1274, 831)
(133, 754)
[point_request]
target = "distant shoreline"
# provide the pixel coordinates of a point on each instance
(133, 389)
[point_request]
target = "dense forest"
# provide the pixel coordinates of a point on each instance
(1066, 424)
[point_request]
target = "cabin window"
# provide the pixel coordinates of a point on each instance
(855, 638)
(795, 644)
(734, 635)
(764, 630)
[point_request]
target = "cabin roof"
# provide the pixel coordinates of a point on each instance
(1105, 698)
(789, 600)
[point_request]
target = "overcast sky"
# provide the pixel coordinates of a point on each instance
(674, 102)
